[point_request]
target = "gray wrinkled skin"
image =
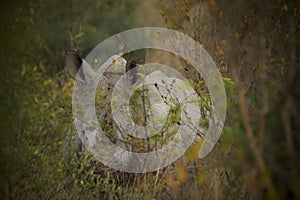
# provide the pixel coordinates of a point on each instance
(159, 91)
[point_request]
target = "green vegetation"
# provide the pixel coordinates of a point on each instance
(255, 45)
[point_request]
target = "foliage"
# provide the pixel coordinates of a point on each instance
(86, 23)
(256, 48)
(255, 44)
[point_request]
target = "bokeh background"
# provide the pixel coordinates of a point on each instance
(255, 45)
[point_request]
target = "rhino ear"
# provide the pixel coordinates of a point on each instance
(73, 62)
(78, 68)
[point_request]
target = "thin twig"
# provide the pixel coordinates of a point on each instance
(252, 142)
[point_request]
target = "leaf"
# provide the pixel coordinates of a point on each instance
(181, 174)
(172, 132)
(229, 90)
(220, 52)
(79, 35)
(223, 42)
(201, 178)
(193, 152)
(36, 100)
(212, 3)
(23, 70)
(171, 182)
